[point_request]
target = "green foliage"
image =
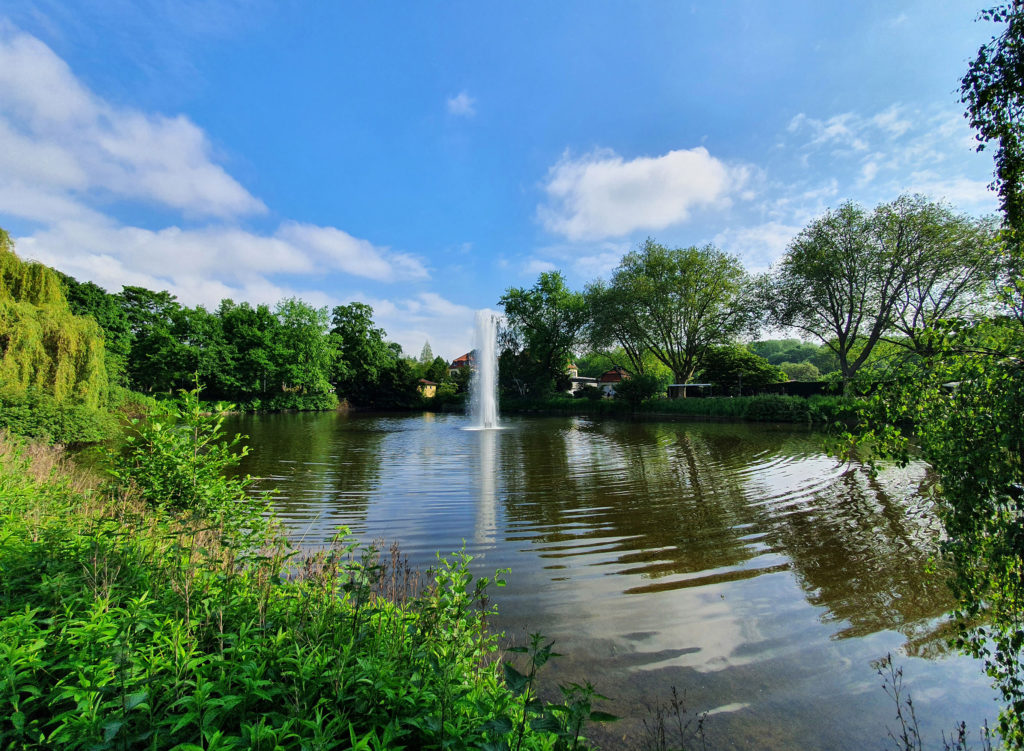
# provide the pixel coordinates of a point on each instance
(816, 410)
(678, 303)
(88, 299)
(637, 389)
(308, 355)
(369, 371)
(543, 326)
(44, 348)
(177, 457)
(993, 90)
(778, 351)
(36, 414)
(800, 371)
(293, 402)
(128, 629)
(962, 407)
(853, 278)
(731, 367)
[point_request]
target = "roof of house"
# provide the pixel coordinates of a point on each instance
(425, 382)
(614, 375)
(462, 360)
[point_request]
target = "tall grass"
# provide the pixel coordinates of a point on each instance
(126, 624)
(818, 410)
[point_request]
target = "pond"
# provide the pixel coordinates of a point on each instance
(737, 563)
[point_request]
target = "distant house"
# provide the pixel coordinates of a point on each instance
(615, 375)
(572, 370)
(578, 383)
(467, 360)
(426, 388)
(609, 378)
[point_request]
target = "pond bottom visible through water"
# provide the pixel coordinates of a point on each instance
(737, 563)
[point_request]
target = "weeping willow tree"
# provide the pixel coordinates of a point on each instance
(44, 348)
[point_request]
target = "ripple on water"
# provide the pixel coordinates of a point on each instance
(736, 561)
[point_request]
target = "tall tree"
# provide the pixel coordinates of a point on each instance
(152, 358)
(543, 324)
(253, 334)
(308, 353)
(88, 299)
(364, 352)
(951, 265)
(852, 278)
(611, 326)
(680, 302)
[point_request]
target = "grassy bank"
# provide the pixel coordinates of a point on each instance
(131, 624)
(815, 410)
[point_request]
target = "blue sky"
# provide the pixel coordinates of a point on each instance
(424, 157)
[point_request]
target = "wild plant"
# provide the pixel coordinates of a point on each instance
(907, 737)
(671, 727)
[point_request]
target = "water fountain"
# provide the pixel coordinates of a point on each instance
(483, 389)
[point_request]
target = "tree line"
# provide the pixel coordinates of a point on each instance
(292, 355)
(857, 281)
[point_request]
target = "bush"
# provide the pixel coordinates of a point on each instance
(127, 628)
(638, 389)
(176, 459)
(298, 402)
(36, 414)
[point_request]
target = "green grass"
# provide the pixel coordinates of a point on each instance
(818, 410)
(129, 626)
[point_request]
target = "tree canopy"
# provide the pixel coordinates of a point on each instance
(543, 325)
(678, 303)
(853, 277)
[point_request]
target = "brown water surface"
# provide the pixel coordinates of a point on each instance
(736, 562)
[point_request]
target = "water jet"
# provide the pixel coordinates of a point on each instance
(483, 388)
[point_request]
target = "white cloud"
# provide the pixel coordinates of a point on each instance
(758, 246)
(461, 105)
(57, 136)
(351, 254)
(537, 266)
(841, 130)
(892, 120)
(64, 153)
(961, 192)
(427, 316)
(186, 260)
(603, 195)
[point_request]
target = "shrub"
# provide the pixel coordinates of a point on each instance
(176, 459)
(36, 414)
(638, 389)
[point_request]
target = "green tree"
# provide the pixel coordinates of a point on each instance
(800, 371)
(44, 347)
(365, 354)
(426, 355)
(307, 353)
(638, 389)
(993, 90)
(678, 303)
(778, 351)
(437, 371)
(252, 333)
(152, 358)
(733, 367)
(852, 278)
(543, 326)
(611, 327)
(88, 299)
